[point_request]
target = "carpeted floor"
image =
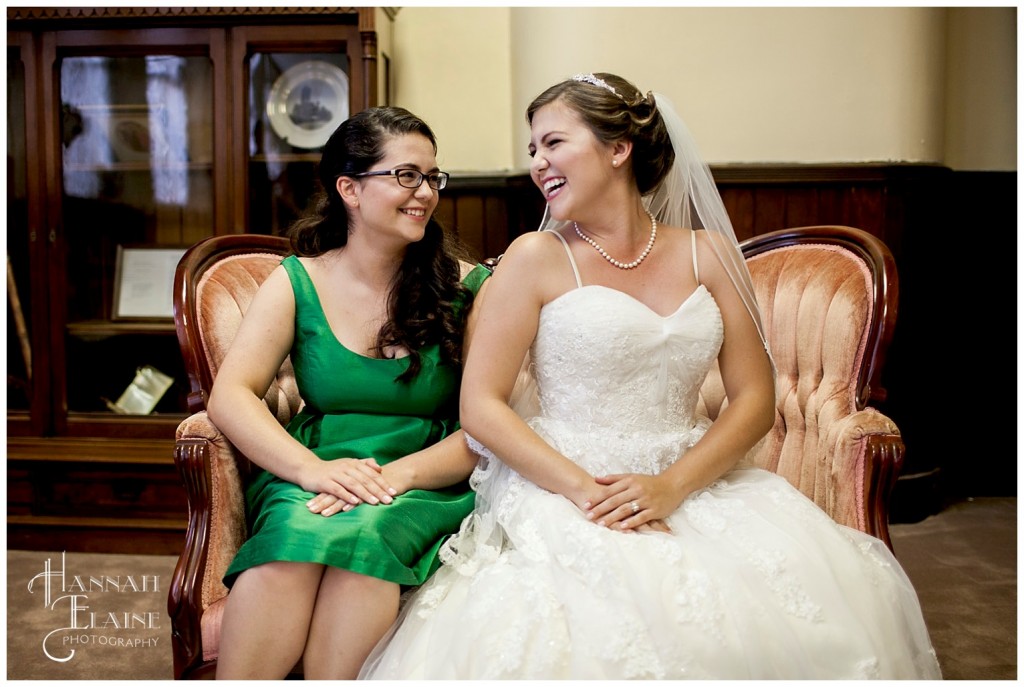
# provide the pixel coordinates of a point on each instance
(962, 561)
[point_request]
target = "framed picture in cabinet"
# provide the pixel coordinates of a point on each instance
(123, 133)
(144, 282)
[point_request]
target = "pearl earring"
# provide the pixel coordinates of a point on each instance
(615, 163)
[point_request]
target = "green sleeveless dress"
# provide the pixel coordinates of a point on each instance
(355, 409)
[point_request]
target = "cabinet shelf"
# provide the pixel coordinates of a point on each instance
(103, 426)
(141, 166)
(96, 330)
(286, 157)
(170, 420)
(116, 451)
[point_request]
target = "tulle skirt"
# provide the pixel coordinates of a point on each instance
(754, 582)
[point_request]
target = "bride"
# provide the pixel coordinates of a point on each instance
(615, 533)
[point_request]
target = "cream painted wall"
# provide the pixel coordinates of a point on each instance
(451, 67)
(385, 27)
(785, 85)
(760, 84)
(981, 95)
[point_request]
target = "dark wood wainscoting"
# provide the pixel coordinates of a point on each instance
(933, 220)
(489, 210)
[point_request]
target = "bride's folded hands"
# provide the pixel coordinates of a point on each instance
(634, 500)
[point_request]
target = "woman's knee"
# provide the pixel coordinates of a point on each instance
(283, 575)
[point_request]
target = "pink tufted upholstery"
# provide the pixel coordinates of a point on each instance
(828, 299)
(222, 297)
(214, 284)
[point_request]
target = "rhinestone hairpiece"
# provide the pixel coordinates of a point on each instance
(593, 80)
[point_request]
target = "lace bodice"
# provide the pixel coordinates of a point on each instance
(603, 359)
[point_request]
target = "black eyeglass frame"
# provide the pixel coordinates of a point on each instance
(440, 179)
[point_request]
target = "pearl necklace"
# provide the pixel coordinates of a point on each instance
(622, 265)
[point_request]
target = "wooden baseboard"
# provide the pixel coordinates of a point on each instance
(916, 496)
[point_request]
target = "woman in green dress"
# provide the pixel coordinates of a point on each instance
(352, 500)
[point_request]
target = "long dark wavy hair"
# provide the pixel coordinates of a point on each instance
(427, 303)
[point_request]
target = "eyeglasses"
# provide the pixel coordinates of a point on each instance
(410, 178)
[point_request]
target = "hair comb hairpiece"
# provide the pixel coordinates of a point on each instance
(593, 80)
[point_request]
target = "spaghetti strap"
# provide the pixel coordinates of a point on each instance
(693, 251)
(572, 262)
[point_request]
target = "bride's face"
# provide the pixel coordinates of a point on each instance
(570, 166)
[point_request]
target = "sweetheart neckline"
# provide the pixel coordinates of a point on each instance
(630, 297)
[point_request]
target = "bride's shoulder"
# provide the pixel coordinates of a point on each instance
(682, 239)
(533, 248)
(678, 233)
(690, 238)
(683, 242)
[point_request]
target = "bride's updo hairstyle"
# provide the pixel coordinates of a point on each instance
(614, 109)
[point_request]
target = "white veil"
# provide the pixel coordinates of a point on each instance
(688, 197)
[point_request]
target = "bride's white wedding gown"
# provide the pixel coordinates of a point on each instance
(755, 581)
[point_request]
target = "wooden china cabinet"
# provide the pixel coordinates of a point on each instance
(131, 134)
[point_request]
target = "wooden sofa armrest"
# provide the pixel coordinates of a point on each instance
(216, 529)
(865, 451)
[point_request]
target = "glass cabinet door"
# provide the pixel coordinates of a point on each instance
(296, 100)
(19, 238)
(293, 100)
(137, 188)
